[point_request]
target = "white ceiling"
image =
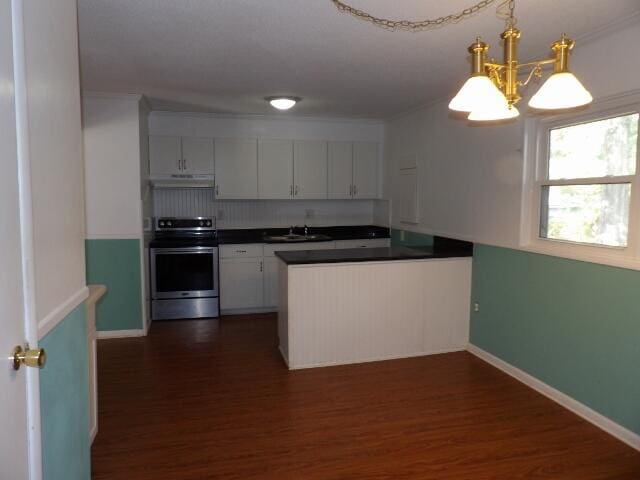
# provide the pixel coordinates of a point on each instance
(227, 55)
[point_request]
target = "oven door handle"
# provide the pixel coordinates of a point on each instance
(188, 250)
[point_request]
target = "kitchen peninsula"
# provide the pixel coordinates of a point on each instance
(358, 305)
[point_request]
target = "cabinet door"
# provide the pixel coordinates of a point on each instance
(241, 283)
(365, 170)
(197, 156)
(275, 169)
(310, 169)
(165, 156)
(271, 282)
(340, 169)
(236, 169)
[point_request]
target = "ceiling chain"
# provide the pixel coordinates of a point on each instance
(413, 25)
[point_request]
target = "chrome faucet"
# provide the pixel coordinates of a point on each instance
(290, 229)
(306, 231)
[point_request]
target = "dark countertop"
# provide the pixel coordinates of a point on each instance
(306, 257)
(255, 235)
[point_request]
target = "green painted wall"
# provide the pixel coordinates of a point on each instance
(411, 239)
(573, 325)
(64, 400)
(116, 264)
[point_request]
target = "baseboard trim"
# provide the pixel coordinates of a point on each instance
(374, 359)
(612, 428)
(106, 334)
(61, 312)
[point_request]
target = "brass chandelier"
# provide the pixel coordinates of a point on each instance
(492, 91)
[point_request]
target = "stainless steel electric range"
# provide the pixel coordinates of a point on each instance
(184, 269)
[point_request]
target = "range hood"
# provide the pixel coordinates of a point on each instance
(183, 181)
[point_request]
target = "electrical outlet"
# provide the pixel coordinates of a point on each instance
(476, 307)
(309, 213)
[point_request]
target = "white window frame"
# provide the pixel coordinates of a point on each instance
(536, 145)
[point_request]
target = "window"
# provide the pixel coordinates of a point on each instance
(585, 181)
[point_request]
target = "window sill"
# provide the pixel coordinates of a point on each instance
(611, 257)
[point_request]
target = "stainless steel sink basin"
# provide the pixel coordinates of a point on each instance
(295, 238)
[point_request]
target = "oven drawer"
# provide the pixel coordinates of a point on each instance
(241, 250)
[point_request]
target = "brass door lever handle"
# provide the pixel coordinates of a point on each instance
(30, 357)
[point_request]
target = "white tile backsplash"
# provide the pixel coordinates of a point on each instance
(185, 202)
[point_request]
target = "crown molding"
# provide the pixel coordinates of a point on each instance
(275, 117)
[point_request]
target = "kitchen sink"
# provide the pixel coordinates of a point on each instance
(295, 238)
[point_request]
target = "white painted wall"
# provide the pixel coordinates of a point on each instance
(470, 177)
(55, 150)
(114, 173)
(273, 126)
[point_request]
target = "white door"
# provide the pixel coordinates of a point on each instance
(241, 283)
(365, 170)
(340, 169)
(14, 385)
(310, 169)
(197, 156)
(275, 169)
(165, 156)
(236, 168)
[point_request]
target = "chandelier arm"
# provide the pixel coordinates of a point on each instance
(412, 25)
(537, 62)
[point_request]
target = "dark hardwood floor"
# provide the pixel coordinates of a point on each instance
(213, 400)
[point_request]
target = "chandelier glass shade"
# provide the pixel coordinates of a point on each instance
(562, 90)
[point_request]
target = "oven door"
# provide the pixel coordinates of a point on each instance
(184, 272)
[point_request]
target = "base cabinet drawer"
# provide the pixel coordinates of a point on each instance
(241, 250)
(364, 243)
(241, 283)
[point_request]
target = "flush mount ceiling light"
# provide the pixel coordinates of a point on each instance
(491, 92)
(283, 103)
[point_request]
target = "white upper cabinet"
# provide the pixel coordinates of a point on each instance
(236, 169)
(310, 170)
(197, 156)
(340, 169)
(275, 169)
(165, 155)
(353, 170)
(365, 170)
(171, 156)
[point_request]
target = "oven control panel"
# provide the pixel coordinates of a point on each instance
(193, 223)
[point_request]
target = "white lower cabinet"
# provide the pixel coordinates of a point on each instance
(271, 281)
(249, 272)
(241, 277)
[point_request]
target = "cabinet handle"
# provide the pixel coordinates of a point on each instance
(184, 163)
(179, 164)
(217, 190)
(350, 190)
(355, 190)
(295, 192)
(291, 190)
(241, 251)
